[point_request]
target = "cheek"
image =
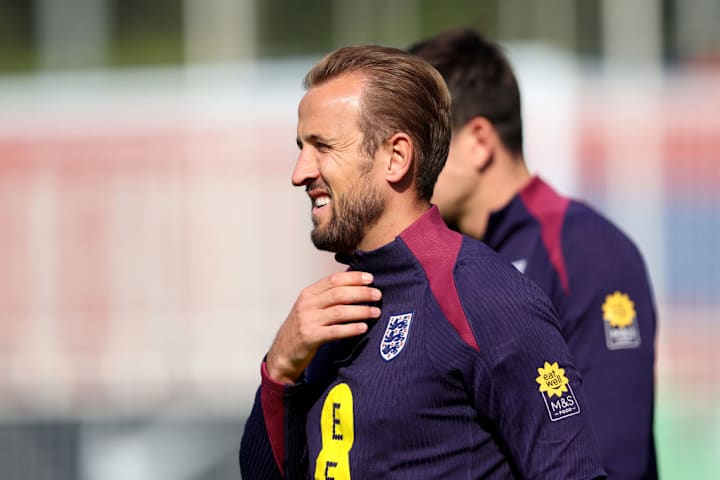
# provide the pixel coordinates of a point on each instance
(446, 184)
(444, 192)
(453, 186)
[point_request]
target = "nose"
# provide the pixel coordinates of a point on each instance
(306, 168)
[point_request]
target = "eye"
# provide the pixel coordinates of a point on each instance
(322, 147)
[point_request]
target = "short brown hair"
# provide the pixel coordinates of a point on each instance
(481, 81)
(403, 93)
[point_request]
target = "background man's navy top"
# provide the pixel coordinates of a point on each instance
(597, 281)
(464, 376)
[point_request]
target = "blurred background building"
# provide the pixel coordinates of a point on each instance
(151, 242)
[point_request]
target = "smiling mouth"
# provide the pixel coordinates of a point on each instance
(321, 201)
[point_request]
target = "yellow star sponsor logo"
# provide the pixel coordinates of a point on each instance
(552, 379)
(618, 310)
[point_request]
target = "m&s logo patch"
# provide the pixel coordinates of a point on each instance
(556, 391)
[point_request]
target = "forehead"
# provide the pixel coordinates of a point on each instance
(333, 103)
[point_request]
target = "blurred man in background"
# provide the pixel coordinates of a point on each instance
(594, 274)
(431, 357)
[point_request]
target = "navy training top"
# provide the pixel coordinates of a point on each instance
(464, 376)
(598, 283)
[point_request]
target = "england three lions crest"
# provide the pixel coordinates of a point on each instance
(395, 336)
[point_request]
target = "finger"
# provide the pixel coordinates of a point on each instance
(305, 337)
(347, 296)
(340, 331)
(313, 302)
(341, 279)
(340, 314)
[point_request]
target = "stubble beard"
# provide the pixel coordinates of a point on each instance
(352, 215)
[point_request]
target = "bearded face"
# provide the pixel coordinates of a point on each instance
(352, 213)
(340, 176)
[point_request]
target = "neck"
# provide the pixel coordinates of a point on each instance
(503, 179)
(398, 216)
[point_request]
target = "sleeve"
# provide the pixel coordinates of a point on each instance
(609, 321)
(526, 384)
(273, 444)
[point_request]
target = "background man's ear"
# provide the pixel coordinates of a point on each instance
(485, 141)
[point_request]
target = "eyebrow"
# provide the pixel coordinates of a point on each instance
(313, 138)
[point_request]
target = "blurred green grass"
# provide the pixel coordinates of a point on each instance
(687, 435)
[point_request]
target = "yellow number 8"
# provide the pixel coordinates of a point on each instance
(338, 434)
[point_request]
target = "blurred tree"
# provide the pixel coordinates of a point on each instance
(17, 40)
(289, 27)
(479, 14)
(146, 33)
(155, 33)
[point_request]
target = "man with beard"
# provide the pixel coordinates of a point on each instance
(593, 274)
(431, 356)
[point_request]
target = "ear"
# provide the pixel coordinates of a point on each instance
(399, 163)
(483, 142)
